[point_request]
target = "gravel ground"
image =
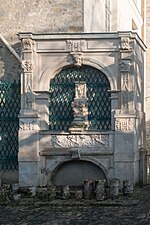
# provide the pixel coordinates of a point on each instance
(122, 211)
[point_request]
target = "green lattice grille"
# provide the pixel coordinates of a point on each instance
(9, 124)
(62, 94)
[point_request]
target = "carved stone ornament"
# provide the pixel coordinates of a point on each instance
(27, 44)
(27, 125)
(124, 124)
(28, 82)
(28, 100)
(80, 90)
(124, 90)
(125, 65)
(125, 44)
(75, 45)
(125, 77)
(95, 140)
(125, 55)
(28, 90)
(27, 66)
(77, 58)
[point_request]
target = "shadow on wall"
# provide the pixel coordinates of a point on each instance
(10, 68)
(148, 135)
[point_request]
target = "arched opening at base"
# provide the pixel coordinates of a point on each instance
(74, 173)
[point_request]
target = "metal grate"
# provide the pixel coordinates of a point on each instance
(62, 94)
(9, 124)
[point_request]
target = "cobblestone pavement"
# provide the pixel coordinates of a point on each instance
(133, 210)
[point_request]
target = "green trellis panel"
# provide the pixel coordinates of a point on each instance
(9, 124)
(62, 88)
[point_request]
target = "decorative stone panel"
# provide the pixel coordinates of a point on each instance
(124, 124)
(101, 141)
(30, 124)
(75, 45)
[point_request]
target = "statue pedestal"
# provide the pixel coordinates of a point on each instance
(80, 109)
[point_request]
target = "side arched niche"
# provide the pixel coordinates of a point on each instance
(73, 173)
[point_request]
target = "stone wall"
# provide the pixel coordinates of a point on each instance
(40, 16)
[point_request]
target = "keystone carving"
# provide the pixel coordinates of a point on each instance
(77, 58)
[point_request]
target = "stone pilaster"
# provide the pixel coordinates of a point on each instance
(29, 122)
(27, 78)
(28, 150)
(126, 79)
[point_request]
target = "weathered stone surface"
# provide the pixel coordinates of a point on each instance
(32, 191)
(79, 194)
(88, 189)
(16, 197)
(65, 192)
(51, 193)
(123, 211)
(15, 188)
(114, 188)
(100, 190)
(127, 187)
(42, 193)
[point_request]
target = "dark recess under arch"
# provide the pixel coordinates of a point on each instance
(73, 173)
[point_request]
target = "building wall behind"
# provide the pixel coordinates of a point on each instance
(128, 16)
(94, 15)
(40, 16)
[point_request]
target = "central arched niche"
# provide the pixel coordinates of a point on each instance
(73, 173)
(62, 93)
